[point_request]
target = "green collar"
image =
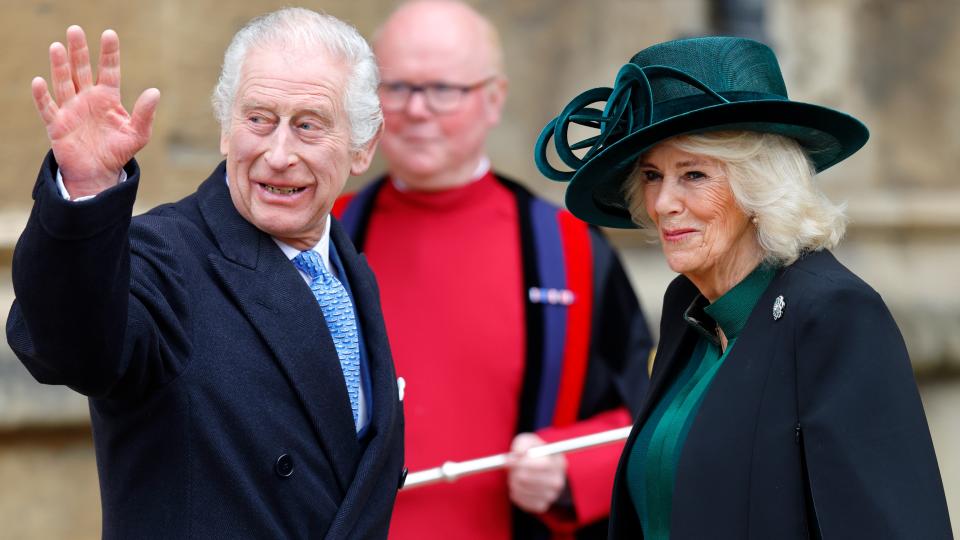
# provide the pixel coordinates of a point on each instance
(730, 311)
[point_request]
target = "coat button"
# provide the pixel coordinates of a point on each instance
(284, 466)
(403, 478)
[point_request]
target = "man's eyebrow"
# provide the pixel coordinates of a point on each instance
(254, 104)
(321, 113)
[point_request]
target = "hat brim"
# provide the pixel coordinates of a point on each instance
(595, 193)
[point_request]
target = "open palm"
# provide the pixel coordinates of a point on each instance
(91, 134)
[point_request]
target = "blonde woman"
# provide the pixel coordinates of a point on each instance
(782, 403)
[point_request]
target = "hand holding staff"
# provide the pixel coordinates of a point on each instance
(452, 470)
(534, 482)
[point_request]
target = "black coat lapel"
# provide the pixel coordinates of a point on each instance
(676, 342)
(273, 296)
(675, 338)
(385, 399)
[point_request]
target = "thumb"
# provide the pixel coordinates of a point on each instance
(141, 120)
(525, 441)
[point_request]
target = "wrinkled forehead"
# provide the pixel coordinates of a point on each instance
(311, 68)
(291, 83)
(679, 151)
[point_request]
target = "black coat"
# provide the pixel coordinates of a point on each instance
(207, 360)
(812, 427)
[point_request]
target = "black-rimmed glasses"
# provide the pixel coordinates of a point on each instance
(441, 97)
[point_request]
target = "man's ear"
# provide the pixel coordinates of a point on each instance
(496, 96)
(224, 141)
(361, 158)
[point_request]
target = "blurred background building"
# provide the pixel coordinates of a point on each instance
(889, 63)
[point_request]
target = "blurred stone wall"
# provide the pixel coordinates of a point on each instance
(891, 64)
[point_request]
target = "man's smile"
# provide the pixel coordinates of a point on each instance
(277, 190)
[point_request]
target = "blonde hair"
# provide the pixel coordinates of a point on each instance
(772, 180)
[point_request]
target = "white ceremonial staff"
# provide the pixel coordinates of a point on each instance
(452, 470)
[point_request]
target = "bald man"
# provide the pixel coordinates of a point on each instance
(512, 322)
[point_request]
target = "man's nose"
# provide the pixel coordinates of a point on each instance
(417, 106)
(281, 154)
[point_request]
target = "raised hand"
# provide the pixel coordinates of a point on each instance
(91, 134)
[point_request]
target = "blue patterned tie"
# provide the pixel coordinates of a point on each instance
(338, 311)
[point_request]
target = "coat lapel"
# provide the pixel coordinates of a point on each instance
(385, 400)
(674, 339)
(277, 302)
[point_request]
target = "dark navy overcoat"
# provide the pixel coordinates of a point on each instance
(216, 395)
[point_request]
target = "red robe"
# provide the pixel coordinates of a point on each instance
(450, 267)
(450, 293)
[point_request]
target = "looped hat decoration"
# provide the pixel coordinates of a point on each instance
(675, 88)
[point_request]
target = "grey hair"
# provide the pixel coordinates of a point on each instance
(772, 179)
(299, 27)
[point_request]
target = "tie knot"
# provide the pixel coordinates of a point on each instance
(310, 263)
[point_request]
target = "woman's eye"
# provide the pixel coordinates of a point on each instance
(652, 176)
(695, 175)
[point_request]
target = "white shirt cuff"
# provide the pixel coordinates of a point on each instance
(66, 195)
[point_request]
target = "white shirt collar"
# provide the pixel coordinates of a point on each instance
(322, 247)
(483, 167)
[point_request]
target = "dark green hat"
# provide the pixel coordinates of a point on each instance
(681, 87)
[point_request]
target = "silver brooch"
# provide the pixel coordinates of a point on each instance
(778, 306)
